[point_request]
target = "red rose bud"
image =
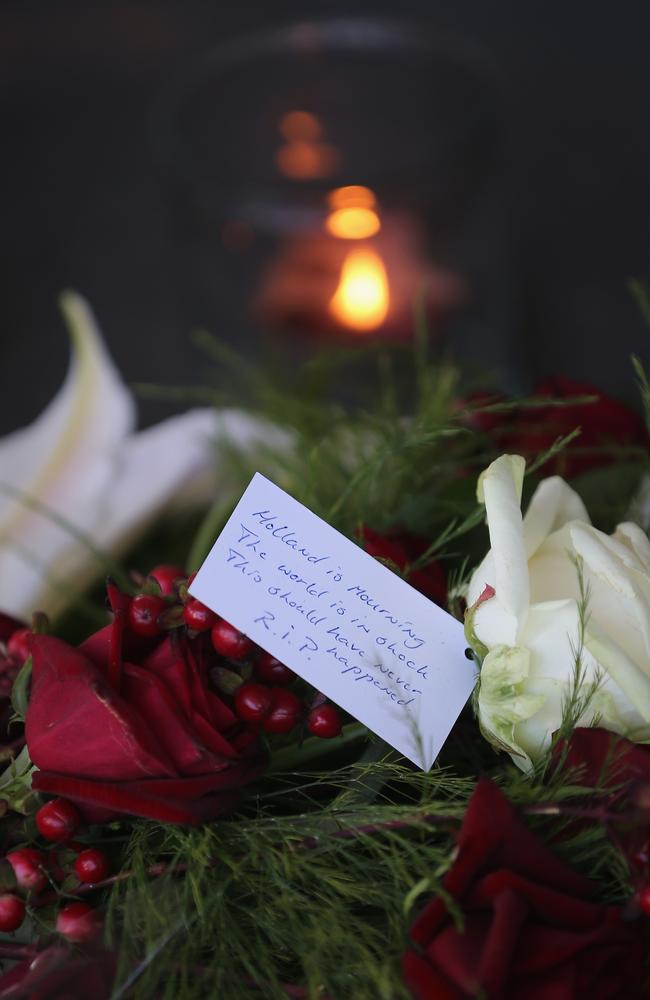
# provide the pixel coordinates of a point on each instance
(58, 820)
(521, 906)
(598, 758)
(605, 425)
(28, 865)
(161, 745)
(12, 912)
(78, 923)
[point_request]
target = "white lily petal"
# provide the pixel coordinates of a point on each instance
(552, 505)
(63, 460)
(500, 486)
(151, 468)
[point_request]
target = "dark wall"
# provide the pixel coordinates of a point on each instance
(82, 203)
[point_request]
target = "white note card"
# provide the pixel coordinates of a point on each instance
(341, 620)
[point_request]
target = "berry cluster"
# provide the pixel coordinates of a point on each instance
(640, 867)
(265, 701)
(14, 650)
(33, 870)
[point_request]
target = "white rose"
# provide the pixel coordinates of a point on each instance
(530, 631)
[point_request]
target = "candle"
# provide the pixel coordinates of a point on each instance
(359, 272)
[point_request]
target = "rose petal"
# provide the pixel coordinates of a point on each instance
(425, 982)
(74, 720)
(552, 505)
(500, 487)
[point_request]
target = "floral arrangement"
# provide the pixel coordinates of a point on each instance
(184, 816)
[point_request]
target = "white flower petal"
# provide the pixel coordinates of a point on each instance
(502, 703)
(622, 669)
(604, 557)
(500, 486)
(552, 505)
(637, 542)
(64, 460)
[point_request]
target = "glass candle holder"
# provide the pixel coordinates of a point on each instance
(325, 176)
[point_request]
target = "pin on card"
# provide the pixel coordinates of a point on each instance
(341, 620)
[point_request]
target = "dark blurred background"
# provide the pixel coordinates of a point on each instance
(85, 201)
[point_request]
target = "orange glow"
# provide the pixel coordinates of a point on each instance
(361, 299)
(298, 126)
(303, 161)
(305, 155)
(351, 196)
(353, 223)
(353, 215)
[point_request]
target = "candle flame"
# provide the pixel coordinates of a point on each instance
(362, 297)
(305, 154)
(353, 215)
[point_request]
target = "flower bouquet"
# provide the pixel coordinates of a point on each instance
(185, 815)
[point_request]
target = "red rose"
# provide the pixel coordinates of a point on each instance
(9, 668)
(530, 931)
(61, 974)
(142, 735)
(403, 549)
(605, 425)
(600, 759)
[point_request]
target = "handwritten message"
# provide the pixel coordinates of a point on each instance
(344, 622)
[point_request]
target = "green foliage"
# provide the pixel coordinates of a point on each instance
(20, 691)
(314, 884)
(644, 385)
(16, 783)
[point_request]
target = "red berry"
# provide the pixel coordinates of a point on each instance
(229, 641)
(196, 616)
(12, 912)
(77, 922)
(643, 899)
(285, 712)
(641, 857)
(28, 865)
(91, 865)
(269, 669)
(18, 645)
(166, 577)
(324, 721)
(143, 614)
(253, 702)
(58, 820)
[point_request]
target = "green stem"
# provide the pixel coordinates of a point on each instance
(208, 530)
(294, 758)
